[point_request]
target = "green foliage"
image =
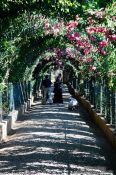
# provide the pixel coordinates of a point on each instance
(2, 87)
(23, 43)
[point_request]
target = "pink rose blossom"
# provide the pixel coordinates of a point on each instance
(71, 25)
(90, 20)
(114, 17)
(95, 29)
(92, 67)
(87, 59)
(46, 26)
(112, 37)
(103, 43)
(86, 51)
(101, 29)
(103, 52)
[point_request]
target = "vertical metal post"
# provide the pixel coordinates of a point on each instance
(31, 89)
(78, 87)
(115, 108)
(81, 86)
(111, 107)
(97, 92)
(84, 88)
(87, 89)
(106, 101)
(104, 97)
(17, 94)
(21, 93)
(93, 87)
(21, 89)
(26, 90)
(0, 106)
(76, 84)
(10, 97)
(91, 91)
(101, 97)
(108, 105)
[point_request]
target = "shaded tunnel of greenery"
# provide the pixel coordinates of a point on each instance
(37, 33)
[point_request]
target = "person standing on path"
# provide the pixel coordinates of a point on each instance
(58, 86)
(46, 89)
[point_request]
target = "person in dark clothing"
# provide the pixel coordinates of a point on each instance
(46, 88)
(58, 85)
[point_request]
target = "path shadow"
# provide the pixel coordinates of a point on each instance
(54, 140)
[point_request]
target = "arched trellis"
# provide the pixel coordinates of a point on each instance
(27, 56)
(24, 62)
(31, 58)
(47, 67)
(24, 40)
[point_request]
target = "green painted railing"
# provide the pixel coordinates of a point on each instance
(14, 95)
(101, 97)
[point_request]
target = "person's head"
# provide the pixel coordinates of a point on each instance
(58, 78)
(59, 75)
(46, 76)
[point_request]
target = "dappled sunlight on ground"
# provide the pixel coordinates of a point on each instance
(50, 139)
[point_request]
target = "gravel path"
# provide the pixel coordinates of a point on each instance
(51, 140)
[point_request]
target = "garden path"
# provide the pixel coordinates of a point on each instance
(51, 140)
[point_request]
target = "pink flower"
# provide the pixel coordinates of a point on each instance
(46, 25)
(40, 63)
(76, 35)
(71, 25)
(108, 33)
(72, 37)
(90, 30)
(103, 43)
(68, 50)
(101, 29)
(86, 60)
(92, 67)
(89, 59)
(112, 37)
(46, 58)
(90, 20)
(78, 43)
(86, 51)
(103, 52)
(114, 17)
(77, 17)
(95, 29)
(56, 31)
(47, 32)
(92, 38)
(70, 53)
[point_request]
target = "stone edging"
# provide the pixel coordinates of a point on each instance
(8, 123)
(96, 117)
